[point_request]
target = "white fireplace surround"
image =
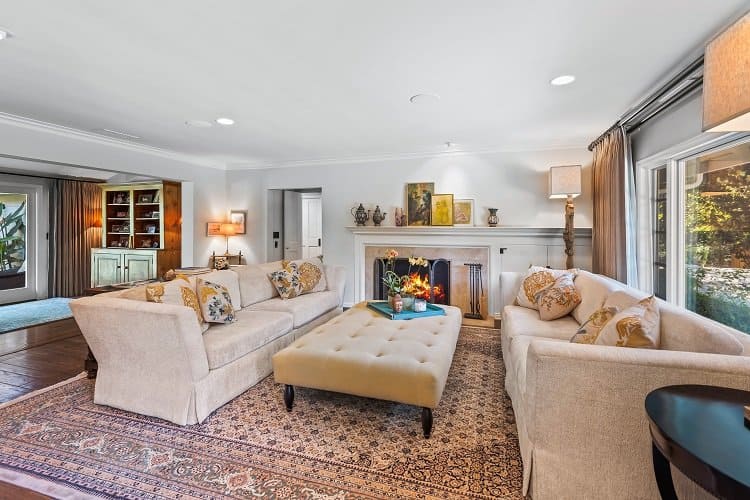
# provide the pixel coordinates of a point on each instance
(510, 249)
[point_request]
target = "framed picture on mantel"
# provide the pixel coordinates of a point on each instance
(419, 203)
(463, 212)
(442, 209)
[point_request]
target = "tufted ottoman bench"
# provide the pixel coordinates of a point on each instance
(365, 354)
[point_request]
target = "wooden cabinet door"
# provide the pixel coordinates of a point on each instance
(139, 266)
(106, 268)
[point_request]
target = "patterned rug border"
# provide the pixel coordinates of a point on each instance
(53, 489)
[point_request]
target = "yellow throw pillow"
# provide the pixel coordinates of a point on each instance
(590, 329)
(636, 326)
(558, 299)
(537, 279)
(215, 302)
(312, 274)
(177, 292)
(287, 281)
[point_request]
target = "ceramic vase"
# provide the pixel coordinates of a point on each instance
(493, 219)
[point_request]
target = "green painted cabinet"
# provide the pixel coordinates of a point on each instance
(110, 266)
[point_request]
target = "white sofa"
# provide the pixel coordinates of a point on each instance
(582, 425)
(154, 360)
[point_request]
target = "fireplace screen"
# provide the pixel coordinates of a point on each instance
(432, 283)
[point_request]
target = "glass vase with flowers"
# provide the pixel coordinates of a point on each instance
(403, 286)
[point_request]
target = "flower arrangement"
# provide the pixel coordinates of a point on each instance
(401, 284)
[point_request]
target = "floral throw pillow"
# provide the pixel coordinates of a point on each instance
(590, 329)
(287, 281)
(636, 326)
(558, 299)
(537, 279)
(215, 301)
(311, 273)
(177, 292)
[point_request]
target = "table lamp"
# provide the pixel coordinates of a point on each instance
(565, 182)
(227, 230)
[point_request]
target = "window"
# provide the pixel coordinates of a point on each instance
(694, 208)
(12, 240)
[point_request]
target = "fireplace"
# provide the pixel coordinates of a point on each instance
(432, 283)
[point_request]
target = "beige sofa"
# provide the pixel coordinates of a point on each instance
(154, 360)
(579, 409)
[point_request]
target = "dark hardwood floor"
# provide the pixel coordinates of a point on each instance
(39, 356)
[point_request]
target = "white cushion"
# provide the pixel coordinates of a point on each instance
(683, 330)
(254, 283)
(253, 329)
(522, 321)
(625, 298)
(594, 290)
(228, 279)
(304, 308)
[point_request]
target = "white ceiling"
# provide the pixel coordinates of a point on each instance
(331, 79)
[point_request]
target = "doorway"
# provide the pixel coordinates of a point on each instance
(19, 235)
(295, 224)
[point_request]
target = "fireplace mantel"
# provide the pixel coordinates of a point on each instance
(509, 248)
(484, 231)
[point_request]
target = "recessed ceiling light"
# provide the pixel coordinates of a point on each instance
(562, 80)
(424, 98)
(225, 121)
(199, 123)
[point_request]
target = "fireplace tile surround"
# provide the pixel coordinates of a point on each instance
(498, 249)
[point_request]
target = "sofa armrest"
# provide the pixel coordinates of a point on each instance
(336, 278)
(585, 410)
(163, 341)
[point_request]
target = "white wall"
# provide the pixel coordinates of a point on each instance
(43, 142)
(515, 183)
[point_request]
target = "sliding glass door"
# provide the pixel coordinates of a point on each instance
(18, 242)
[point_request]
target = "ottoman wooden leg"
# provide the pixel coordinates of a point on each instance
(426, 422)
(288, 397)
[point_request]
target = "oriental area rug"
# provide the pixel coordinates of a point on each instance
(331, 446)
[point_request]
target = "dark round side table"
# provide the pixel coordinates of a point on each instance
(700, 429)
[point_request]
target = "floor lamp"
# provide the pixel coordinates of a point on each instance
(565, 182)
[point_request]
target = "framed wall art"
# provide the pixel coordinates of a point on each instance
(463, 212)
(419, 203)
(442, 209)
(238, 217)
(213, 228)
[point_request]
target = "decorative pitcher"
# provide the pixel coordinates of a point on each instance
(377, 216)
(493, 219)
(361, 216)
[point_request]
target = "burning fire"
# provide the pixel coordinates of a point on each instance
(419, 286)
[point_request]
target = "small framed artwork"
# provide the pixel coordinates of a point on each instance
(442, 209)
(463, 212)
(213, 229)
(238, 217)
(419, 203)
(145, 198)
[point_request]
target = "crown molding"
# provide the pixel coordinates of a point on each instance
(318, 162)
(74, 133)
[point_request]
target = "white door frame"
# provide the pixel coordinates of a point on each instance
(37, 227)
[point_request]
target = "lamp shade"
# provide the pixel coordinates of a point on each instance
(565, 181)
(726, 80)
(227, 229)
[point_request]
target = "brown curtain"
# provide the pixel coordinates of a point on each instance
(75, 216)
(608, 182)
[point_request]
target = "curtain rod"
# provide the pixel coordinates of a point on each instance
(59, 177)
(638, 115)
(17, 172)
